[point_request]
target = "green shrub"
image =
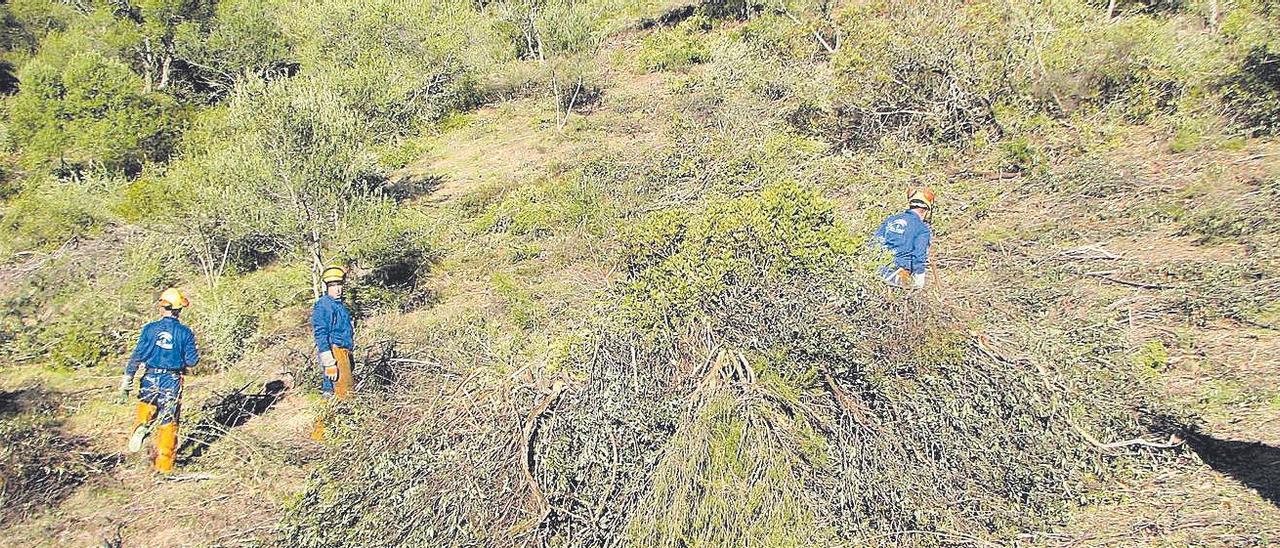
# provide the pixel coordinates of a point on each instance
(87, 111)
(1253, 88)
(77, 346)
(525, 312)
(48, 212)
(1186, 139)
(225, 324)
(1152, 358)
(675, 48)
(545, 29)
(1020, 153)
(395, 64)
(86, 328)
(230, 319)
(542, 209)
(392, 248)
(240, 40)
(778, 37)
(927, 71)
(1088, 177)
(31, 20)
(1136, 66)
(687, 266)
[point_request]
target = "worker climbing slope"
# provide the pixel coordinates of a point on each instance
(165, 350)
(335, 338)
(907, 235)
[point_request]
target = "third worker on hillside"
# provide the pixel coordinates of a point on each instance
(907, 235)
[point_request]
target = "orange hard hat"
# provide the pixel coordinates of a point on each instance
(920, 196)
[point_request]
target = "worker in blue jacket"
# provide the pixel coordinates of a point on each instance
(335, 339)
(907, 235)
(165, 350)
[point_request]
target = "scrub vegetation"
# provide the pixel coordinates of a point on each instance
(612, 272)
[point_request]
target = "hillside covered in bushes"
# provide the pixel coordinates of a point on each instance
(613, 274)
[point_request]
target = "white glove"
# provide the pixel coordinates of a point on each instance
(126, 382)
(330, 365)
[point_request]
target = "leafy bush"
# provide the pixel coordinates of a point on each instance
(391, 248)
(241, 40)
(28, 21)
(394, 64)
(675, 48)
(87, 111)
(929, 71)
(232, 318)
(544, 29)
(225, 322)
(85, 331)
(47, 212)
(1137, 66)
(269, 175)
(1253, 88)
(776, 36)
(687, 267)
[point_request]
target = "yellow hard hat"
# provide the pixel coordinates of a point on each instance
(333, 274)
(920, 196)
(172, 298)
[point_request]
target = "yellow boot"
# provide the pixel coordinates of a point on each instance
(166, 447)
(317, 429)
(141, 426)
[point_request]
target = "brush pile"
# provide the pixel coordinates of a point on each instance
(755, 385)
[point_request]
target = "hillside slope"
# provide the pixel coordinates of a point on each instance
(648, 317)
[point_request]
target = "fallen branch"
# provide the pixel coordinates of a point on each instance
(526, 463)
(952, 536)
(822, 41)
(432, 363)
(190, 477)
(850, 405)
(613, 480)
(746, 373)
(1106, 275)
(1174, 440)
(986, 347)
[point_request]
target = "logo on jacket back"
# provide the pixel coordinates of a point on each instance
(165, 340)
(898, 226)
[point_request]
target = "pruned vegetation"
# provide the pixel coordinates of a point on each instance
(613, 276)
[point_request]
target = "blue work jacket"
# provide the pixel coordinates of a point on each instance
(907, 236)
(331, 324)
(165, 345)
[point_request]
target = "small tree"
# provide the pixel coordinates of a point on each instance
(314, 151)
(87, 111)
(148, 29)
(241, 41)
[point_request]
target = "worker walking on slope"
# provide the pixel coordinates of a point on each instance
(165, 350)
(335, 338)
(908, 236)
